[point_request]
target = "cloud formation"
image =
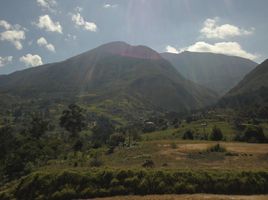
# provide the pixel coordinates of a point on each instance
(42, 42)
(46, 23)
(227, 48)
(110, 5)
(212, 30)
(47, 4)
(5, 60)
(171, 49)
(79, 21)
(5, 24)
(13, 34)
(31, 60)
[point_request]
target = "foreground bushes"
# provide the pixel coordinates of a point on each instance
(73, 185)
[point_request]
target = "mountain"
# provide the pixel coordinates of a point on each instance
(215, 71)
(253, 81)
(252, 91)
(116, 77)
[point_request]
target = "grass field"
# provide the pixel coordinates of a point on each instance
(191, 154)
(175, 154)
(189, 197)
(240, 163)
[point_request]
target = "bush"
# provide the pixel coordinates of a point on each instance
(148, 164)
(252, 134)
(173, 145)
(216, 148)
(69, 185)
(96, 161)
(188, 135)
(65, 193)
(116, 139)
(216, 134)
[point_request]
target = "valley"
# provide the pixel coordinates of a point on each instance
(122, 120)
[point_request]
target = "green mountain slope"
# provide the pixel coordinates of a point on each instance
(251, 92)
(115, 76)
(215, 71)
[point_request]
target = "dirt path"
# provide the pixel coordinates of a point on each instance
(188, 197)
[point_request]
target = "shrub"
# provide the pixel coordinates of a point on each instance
(173, 145)
(251, 134)
(96, 161)
(148, 164)
(216, 148)
(254, 134)
(216, 134)
(69, 185)
(65, 193)
(188, 135)
(231, 154)
(116, 139)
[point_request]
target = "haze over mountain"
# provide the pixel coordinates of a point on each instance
(215, 71)
(251, 91)
(117, 72)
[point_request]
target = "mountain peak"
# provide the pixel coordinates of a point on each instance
(127, 50)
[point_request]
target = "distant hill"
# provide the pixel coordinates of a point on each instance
(215, 71)
(252, 91)
(115, 76)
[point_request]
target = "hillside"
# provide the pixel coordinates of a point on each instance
(215, 71)
(253, 81)
(114, 72)
(251, 92)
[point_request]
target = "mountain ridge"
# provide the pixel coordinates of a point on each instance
(215, 71)
(147, 79)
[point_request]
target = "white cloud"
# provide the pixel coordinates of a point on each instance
(31, 60)
(45, 22)
(5, 24)
(13, 34)
(228, 48)
(171, 49)
(47, 4)
(78, 9)
(5, 60)
(14, 37)
(110, 5)
(212, 30)
(42, 42)
(79, 21)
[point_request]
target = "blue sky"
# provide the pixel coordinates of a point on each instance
(35, 32)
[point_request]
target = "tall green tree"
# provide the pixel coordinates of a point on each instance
(102, 131)
(73, 120)
(38, 126)
(216, 134)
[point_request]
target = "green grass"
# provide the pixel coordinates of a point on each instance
(172, 133)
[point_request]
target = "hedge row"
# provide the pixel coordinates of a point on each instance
(78, 185)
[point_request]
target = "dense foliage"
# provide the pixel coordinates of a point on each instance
(74, 185)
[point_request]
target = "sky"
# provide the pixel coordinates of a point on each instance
(36, 32)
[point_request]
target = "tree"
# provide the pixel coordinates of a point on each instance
(133, 132)
(102, 130)
(116, 139)
(7, 141)
(254, 134)
(38, 126)
(78, 145)
(188, 135)
(216, 134)
(73, 120)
